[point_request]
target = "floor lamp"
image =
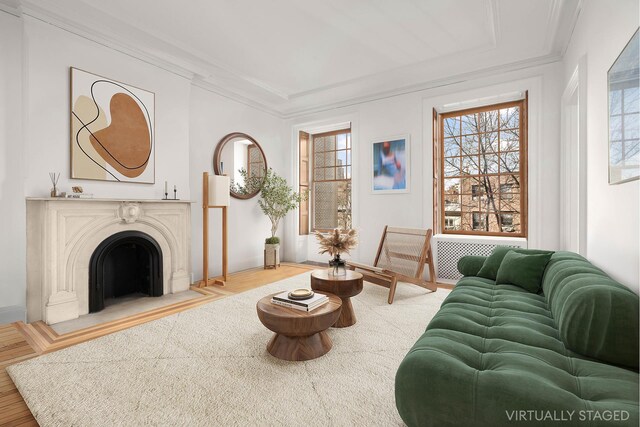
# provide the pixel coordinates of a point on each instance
(215, 194)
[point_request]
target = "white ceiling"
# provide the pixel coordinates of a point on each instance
(290, 56)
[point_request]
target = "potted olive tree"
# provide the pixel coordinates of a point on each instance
(277, 199)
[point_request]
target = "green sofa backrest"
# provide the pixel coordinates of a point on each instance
(596, 316)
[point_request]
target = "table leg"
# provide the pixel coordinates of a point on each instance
(347, 315)
(299, 348)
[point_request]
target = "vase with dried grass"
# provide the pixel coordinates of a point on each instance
(335, 243)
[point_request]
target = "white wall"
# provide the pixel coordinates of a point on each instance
(212, 117)
(12, 205)
(50, 52)
(411, 114)
(613, 219)
(35, 131)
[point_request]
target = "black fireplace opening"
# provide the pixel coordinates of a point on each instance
(125, 265)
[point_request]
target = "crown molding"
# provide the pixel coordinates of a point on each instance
(182, 61)
(12, 7)
(428, 85)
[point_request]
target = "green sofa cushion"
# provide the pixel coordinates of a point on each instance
(470, 265)
(494, 349)
(491, 265)
(523, 270)
(597, 317)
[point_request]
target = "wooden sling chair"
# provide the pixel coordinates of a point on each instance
(401, 257)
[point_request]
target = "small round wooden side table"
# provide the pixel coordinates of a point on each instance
(344, 287)
(299, 335)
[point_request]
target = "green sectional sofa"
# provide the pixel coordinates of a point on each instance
(499, 355)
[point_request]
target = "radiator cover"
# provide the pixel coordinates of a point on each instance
(450, 248)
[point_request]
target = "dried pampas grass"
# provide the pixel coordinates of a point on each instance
(337, 242)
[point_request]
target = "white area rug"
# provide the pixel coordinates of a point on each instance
(209, 366)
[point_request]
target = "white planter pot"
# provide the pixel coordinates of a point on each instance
(271, 255)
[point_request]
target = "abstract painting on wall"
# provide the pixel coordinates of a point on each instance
(390, 165)
(112, 130)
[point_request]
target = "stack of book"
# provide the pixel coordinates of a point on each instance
(310, 304)
(80, 196)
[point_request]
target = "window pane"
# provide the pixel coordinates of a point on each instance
(329, 173)
(510, 118)
(510, 140)
(489, 163)
(470, 144)
(330, 158)
(349, 140)
(469, 124)
(319, 160)
(489, 142)
(318, 174)
(452, 166)
(330, 143)
(318, 144)
(451, 147)
(510, 162)
(451, 126)
(488, 121)
(342, 158)
(341, 172)
(470, 165)
(332, 207)
(452, 186)
(341, 141)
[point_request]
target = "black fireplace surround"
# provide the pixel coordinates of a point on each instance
(128, 263)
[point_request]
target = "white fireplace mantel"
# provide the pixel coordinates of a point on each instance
(62, 234)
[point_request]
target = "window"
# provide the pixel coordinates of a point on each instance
(507, 219)
(330, 183)
(481, 170)
(478, 221)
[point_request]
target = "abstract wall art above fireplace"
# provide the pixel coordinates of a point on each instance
(112, 130)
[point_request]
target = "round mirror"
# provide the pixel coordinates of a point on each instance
(241, 158)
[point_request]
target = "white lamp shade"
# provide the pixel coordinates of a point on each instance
(219, 190)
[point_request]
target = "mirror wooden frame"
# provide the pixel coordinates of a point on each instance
(218, 152)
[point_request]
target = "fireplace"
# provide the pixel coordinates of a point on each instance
(126, 264)
(85, 253)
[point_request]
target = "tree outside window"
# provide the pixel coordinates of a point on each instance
(482, 176)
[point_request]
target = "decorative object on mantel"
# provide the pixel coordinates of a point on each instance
(78, 193)
(623, 80)
(54, 180)
(337, 242)
(166, 192)
(121, 148)
(277, 199)
(215, 194)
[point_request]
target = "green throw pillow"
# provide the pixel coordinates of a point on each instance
(491, 265)
(523, 270)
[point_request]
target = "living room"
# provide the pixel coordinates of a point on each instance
(359, 113)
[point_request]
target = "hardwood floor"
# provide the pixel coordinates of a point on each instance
(20, 341)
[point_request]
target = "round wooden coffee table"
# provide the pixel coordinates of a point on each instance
(344, 287)
(299, 335)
